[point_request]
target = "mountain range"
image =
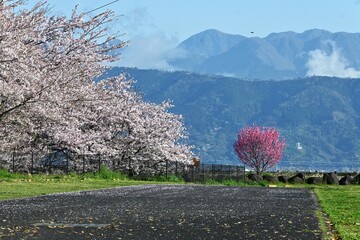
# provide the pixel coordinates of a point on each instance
(318, 116)
(278, 56)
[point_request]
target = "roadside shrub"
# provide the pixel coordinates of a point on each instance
(211, 181)
(5, 174)
(169, 178)
(230, 182)
(106, 173)
(161, 178)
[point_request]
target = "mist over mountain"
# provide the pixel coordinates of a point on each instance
(278, 56)
(319, 114)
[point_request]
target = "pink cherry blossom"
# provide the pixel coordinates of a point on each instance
(49, 100)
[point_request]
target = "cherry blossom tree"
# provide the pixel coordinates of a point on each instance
(154, 135)
(42, 59)
(50, 102)
(259, 148)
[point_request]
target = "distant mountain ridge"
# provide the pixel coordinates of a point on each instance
(204, 45)
(322, 114)
(278, 56)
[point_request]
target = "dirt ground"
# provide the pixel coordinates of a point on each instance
(164, 212)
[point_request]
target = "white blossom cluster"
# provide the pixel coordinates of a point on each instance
(49, 100)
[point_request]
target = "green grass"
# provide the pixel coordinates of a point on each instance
(323, 225)
(169, 179)
(20, 185)
(23, 188)
(342, 205)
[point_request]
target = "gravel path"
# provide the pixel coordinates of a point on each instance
(164, 212)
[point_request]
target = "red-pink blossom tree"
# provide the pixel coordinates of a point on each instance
(259, 148)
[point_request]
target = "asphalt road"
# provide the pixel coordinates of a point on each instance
(164, 212)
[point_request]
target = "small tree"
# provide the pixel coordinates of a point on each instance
(259, 148)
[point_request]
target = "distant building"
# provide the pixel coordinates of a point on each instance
(298, 146)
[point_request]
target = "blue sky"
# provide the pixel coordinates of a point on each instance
(154, 24)
(182, 18)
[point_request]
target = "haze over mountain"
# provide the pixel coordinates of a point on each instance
(321, 114)
(278, 56)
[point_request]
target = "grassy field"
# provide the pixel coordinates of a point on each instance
(18, 189)
(18, 186)
(340, 203)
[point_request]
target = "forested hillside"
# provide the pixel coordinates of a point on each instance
(318, 114)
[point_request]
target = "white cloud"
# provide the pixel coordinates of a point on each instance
(333, 65)
(149, 52)
(150, 47)
(227, 74)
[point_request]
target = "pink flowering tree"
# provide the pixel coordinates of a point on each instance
(50, 102)
(259, 148)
